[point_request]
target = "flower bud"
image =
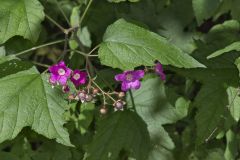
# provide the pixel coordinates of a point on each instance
(103, 110)
(71, 97)
(95, 91)
(65, 89)
(82, 96)
(118, 105)
(88, 97)
(121, 94)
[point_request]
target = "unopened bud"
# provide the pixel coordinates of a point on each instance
(71, 97)
(118, 105)
(65, 89)
(121, 94)
(103, 110)
(88, 97)
(95, 91)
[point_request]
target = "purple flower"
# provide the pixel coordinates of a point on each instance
(79, 77)
(159, 70)
(130, 79)
(59, 74)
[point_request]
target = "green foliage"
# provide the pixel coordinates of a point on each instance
(126, 131)
(20, 17)
(191, 115)
(158, 106)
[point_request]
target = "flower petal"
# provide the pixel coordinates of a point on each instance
(125, 86)
(120, 77)
(62, 80)
(135, 85)
(68, 72)
(138, 74)
(53, 78)
(62, 64)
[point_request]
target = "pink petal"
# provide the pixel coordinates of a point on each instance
(125, 86)
(62, 64)
(68, 72)
(62, 80)
(120, 77)
(139, 74)
(53, 78)
(135, 85)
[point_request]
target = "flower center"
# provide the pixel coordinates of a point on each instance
(61, 72)
(129, 77)
(76, 76)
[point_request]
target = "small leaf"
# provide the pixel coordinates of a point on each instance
(234, 46)
(84, 37)
(231, 151)
(137, 46)
(74, 18)
(122, 130)
(234, 102)
(20, 17)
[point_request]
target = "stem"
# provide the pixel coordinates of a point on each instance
(40, 64)
(85, 11)
(133, 104)
(103, 92)
(84, 54)
(97, 46)
(37, 47)
(61, 10)
(54, 22)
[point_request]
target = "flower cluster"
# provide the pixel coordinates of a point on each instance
(60, 74)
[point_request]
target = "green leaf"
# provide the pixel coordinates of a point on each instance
(20, 17)
(232, 146)
(2, 51)
(235, 12)
(232, 47)
(205, 9)
(122, 130)
(156, 105)
(85, 37)
(86, 116)
(234, 102)
(137, 46)
(52, 151)
(212, 114)
(215, 154)
(74, 18)
(28, 100)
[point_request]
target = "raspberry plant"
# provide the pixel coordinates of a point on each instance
(119, 79)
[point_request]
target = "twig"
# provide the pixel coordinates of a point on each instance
(97, 46)
(54, 22)
(37, 47)
(61, 10)
(40, 64)
(85, 12)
